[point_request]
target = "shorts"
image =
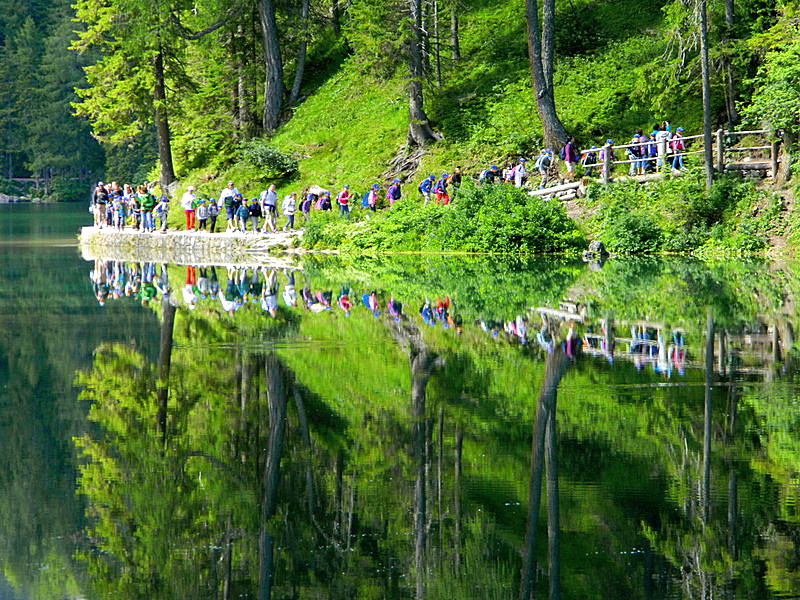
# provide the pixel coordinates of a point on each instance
(230, 212)
(570, 167)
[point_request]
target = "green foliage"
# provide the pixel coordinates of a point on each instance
(776, 97)
(274, 163)
(482, 219)
(632, 232)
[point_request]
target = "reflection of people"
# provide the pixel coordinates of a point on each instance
(190, 288)
(289, 291)
(269, 295)
(344, 300)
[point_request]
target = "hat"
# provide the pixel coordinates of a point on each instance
(431, 177)
(609, 141)
(494, 167)
(238, 196)
(347, 187)
(679, 129)
(395, 180)
(190, 188)
(230, 183)
(99, 183)
(548, 151)
(375, 186)
(445, 175)
(521, 160)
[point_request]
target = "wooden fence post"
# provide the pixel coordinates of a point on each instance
(773, 156)
(606, 164)
(720, 152)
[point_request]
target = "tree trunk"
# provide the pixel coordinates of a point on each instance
(457, 494)
(276, 400)
(727, 68)
(244, 95)
(554, 132)
(336, 17)
(419, 129)
(273, 82)
(455, 47)
(706, 498)
(304, 431)
(164, 363)
(437, 56)
(707, 144)
(555, 366)
(553, 531)
(548, 40)
(160, 112)
(301, 55)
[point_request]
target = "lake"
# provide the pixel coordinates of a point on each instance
(394, 427)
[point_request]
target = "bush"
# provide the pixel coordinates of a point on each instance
(633, 232)
(276, 164)
(495, 218)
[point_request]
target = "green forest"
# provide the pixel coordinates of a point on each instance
(325, 91)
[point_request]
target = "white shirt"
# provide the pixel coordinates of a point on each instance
(187, 200)
(225, 193)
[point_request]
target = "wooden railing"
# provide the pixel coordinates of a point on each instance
(720, 149)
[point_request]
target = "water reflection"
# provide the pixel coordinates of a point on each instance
(304, 433)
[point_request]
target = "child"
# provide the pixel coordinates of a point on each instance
(393, 193)
(254, 211)
(202, 214)
(372, 196)
(242, 214)
(162, 208)
(440, 189)
(343, 200)
(119, 212)
(213, 212)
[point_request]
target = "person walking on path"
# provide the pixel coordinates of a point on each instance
(570, 157)
(662, 135)
(188, 203)
(254, 210)
(343, 200)
(162, 210)
(393, 192)
(455, 182)
(372, 197)
(542, 165)
(440, 189)
(201, 212)
(213, 212)
(425, 188)
(227, 198)
(519, 173)
(148, 221)
(269, 208)
(289, 206)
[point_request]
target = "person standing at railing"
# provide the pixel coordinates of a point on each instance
(519, 173)
(588, 161)
(651, 151)
(678, 148)
(634, 153)
(662, 134)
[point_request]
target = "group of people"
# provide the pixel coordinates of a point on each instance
(120, 206)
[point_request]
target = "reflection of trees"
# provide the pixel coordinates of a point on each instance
(543, 455)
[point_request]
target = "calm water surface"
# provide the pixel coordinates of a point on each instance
(174, 431)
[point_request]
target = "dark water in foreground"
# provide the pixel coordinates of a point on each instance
(252, 437)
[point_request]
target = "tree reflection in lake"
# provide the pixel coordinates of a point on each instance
(324, 447)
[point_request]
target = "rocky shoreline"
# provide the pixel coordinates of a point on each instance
(189, 247)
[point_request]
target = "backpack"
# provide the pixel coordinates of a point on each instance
(365, 199)
(482, 176)
(562, 154)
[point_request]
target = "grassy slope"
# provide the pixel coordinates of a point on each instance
(350, 125)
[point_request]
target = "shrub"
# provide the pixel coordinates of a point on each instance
(276, 164)
(632, 232)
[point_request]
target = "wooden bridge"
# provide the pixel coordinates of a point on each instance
(728, 156)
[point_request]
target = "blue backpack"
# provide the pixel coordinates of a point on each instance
(365, 199)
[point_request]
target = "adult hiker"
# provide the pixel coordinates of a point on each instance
(490, 175)
(227, 199)
(588, 160)
(662, 134)
(678, 147)
(343, 200)
(543, 163)
(148, 220)
(188, 203)
(440, 189)
(425, 188)
(455, 182)
(393, 192)
(289, 206)
(569, 154)
(519, 173)
(269, 207)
